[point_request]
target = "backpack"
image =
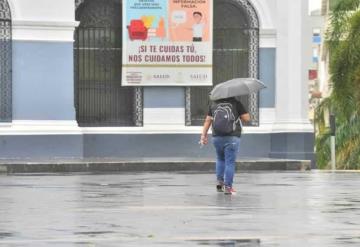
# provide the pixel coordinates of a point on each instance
(224, 120)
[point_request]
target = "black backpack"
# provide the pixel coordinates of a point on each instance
(225, 118)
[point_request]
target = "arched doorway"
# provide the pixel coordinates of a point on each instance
(100, 100)
(235, 54)
(5, 63)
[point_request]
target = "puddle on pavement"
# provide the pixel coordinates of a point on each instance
(6, 235)
(91, 233)
(229, 242)
(275, 185)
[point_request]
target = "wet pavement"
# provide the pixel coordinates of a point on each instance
(178, 209)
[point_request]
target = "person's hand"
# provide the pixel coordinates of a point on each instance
(204, 140)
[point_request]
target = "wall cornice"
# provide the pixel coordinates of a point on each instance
(33, 30)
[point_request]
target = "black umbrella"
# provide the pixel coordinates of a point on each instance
(236, 87)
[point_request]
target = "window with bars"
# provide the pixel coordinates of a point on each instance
(100, 100)
(5, 63)
(235, 54)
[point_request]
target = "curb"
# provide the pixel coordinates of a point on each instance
(149, 166)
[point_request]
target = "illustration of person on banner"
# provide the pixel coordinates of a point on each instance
(198, 27)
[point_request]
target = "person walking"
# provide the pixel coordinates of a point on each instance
(226, 117)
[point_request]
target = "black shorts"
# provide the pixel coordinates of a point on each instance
(197, 39)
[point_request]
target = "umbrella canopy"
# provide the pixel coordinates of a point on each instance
(236, 87)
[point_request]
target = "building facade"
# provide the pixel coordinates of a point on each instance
(61, 94)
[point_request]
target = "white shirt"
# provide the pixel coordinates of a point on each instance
(198, 30)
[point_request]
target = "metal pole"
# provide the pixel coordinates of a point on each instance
(333, 130)
(333, 161)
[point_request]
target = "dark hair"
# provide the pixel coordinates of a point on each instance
(197, 13)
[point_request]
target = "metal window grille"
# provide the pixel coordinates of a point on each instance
(235, 54)
(5, 63)
(100, 99)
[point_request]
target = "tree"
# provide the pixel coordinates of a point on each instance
(343, 42)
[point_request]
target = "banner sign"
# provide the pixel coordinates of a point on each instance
(167, 43)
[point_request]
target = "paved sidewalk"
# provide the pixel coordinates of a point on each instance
(145, 164)
(296, 209)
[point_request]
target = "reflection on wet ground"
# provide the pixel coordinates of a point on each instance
(181, 209)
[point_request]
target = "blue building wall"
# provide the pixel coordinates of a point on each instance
(267, 70)
(262, 145)
(43, 89)
(46, 69)
(41, 146)
(43, 81)
(174, 97)
(167, 145)
(164, 97)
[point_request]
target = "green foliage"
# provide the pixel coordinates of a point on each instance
(323, 150)
(343, 42)
(333, 3)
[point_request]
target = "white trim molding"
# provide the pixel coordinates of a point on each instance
(267, 38)
(9, 124)
(293, 126)
(41, 127)
(168, 129)
(56, 31)
(150, 129)
(45, 127)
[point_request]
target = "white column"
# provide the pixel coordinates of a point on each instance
(293, 57)
(43, 10)
(43, 20)
(49, 22)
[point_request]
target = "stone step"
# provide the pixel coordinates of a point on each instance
(146, 165)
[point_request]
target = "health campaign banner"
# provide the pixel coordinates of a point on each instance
(167, 43)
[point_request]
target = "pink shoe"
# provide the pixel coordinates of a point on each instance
(229, 190)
